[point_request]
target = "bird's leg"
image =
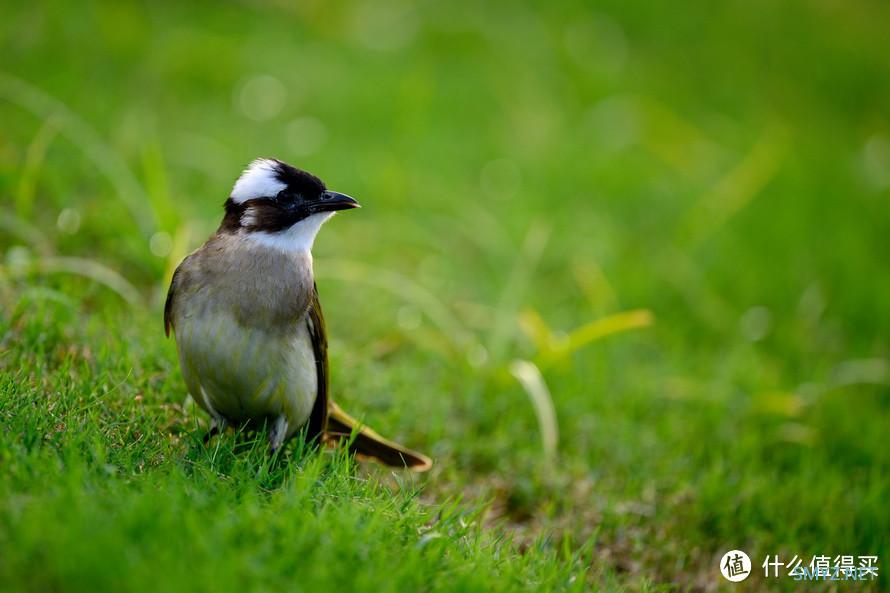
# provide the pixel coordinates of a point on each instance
(218, 425)
(277, 433)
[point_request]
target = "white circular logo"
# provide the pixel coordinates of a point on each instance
(735, 566)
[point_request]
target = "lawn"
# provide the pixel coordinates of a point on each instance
(620, 270)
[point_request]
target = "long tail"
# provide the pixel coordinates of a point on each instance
(369, 443)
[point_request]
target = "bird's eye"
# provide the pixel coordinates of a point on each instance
(288, 196)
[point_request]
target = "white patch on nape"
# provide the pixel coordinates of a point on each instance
(259, 180)
(298, 237)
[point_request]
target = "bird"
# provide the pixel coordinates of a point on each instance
(246, 317)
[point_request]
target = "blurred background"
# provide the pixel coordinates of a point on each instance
(621, 268)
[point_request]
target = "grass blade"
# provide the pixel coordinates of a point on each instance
(529, 376)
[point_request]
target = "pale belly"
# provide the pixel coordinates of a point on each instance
(248, 374)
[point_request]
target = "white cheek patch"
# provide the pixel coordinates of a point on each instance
(259, 180)
(298, 237)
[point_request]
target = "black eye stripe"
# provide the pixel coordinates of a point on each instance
(271, 215)
(263, 214)
(288, 195)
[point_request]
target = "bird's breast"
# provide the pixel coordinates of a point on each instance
(240, 320)
(247, 372)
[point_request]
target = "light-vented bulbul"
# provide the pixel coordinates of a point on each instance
(248, 324)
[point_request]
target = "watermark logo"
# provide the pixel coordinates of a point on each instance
(822, 567)
(735, 566)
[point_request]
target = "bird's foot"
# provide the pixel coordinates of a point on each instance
(217, 426)
(277, 433)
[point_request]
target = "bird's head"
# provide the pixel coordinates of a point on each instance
(280, 205)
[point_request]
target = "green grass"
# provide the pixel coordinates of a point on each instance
(621, 272)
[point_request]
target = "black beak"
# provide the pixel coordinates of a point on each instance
(331, 201)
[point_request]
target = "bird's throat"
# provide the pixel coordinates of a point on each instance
(299, 237)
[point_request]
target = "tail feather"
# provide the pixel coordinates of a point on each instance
(367, 442)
